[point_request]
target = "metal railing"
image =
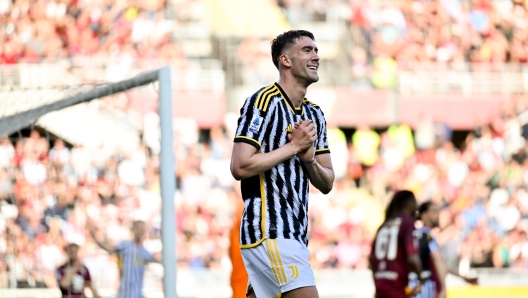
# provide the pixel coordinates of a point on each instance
(465, 78)
(187, 74)
(35, 76)
(26, 86)
(209, 75)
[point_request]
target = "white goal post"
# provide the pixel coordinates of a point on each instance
(13, 122)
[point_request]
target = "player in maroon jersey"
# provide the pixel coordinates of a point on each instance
(395, 249)
(74, 277)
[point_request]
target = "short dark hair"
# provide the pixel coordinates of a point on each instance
(424, 207)
(70, 246)
(398, 202)
(137, 222)
(285, 40)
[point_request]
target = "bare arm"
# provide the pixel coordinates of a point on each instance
(66, 280)
(94, 291)
(416, 266)
(319, 166)
(469, 280)
(103, 244)
(156, 258)
(70, 272)
(441, 270)
(416, 263)
(246, 162)
(321, 172)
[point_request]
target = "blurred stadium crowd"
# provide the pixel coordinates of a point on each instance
(49, 190)
(49, 194)
(382, 33)
(49, 31)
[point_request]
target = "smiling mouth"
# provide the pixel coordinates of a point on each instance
(313, 67)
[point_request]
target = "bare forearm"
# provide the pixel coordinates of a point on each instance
(441, 269)
(157, 258)
(454, 272)
(470, 280)
(94, 291)
(65, 283)
(320, 177)
(258, 163)
(416, 264)
(104, 245)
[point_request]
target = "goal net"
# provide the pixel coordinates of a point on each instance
(78, 157)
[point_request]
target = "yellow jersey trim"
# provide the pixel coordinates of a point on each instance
(310, 102)
(266, 96)
(277, 92)
(248, 138)
(244, 246)
(301, 108)
(263, 215)
(259, 102)
(284, 98)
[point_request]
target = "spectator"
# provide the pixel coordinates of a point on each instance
(59, 154)
(443, 132)
(61, 206)
(366, 142)
(7, 152)
(81, 161)
(52, 31)
(34, 171)
(425, 133)
(401, 136)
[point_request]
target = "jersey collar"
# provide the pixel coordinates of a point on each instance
(293, 109)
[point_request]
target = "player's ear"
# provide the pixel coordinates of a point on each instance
(285, 60)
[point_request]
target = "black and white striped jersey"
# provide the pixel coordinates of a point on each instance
(276, 201)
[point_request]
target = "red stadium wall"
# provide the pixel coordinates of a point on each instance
(378, 108)
(344, 107)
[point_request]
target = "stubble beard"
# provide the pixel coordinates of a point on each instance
(305, 78)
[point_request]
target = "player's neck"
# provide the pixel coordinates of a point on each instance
(294, 90)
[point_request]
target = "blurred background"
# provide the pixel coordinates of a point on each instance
(428, 95)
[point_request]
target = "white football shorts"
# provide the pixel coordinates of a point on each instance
(277, 266)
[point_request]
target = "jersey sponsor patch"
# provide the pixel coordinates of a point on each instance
(256, 122)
